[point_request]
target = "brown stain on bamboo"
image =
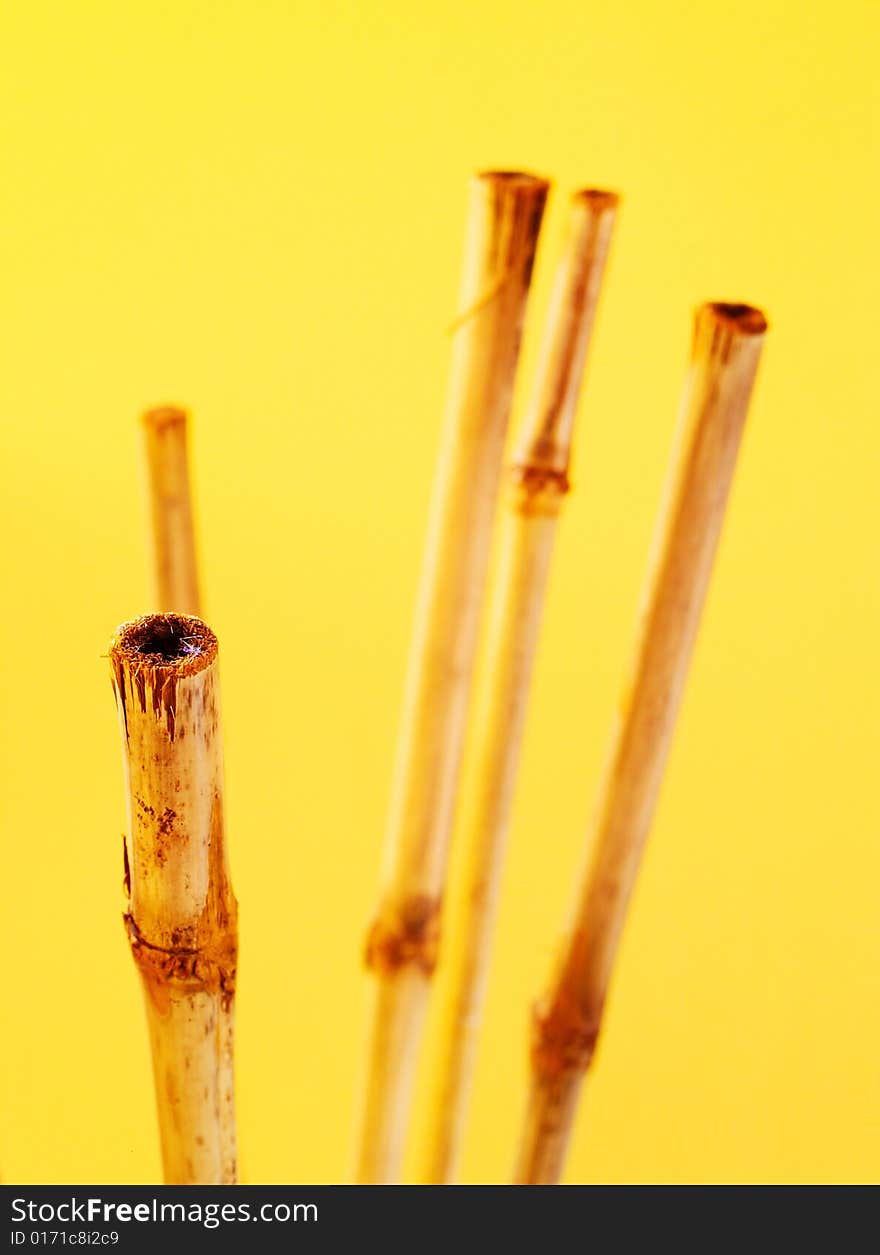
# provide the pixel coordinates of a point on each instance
(538, 489)
(204, 958)
(564, 1035)
(409, 938)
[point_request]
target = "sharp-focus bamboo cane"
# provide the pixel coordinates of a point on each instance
(173, 539)
(503, 225)
(181, 917)
(540, 482)
(726, 348)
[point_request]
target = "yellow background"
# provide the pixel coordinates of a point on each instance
(256, 209)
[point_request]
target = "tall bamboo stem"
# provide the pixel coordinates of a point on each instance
(539, 484)
(503, 224)
(172, 534)
(181, 917)
(725, 351)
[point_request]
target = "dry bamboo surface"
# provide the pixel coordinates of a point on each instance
(173, 539)
(726, 348)
(539, 483)
(181, 916)
(503, 224)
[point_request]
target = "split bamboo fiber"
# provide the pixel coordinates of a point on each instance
(181, 916)
(171, 513)
(726, 347)
(503, 224)
(539, 482)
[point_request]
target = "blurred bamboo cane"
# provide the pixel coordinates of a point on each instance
(503, 224)
(539, 484)
(172, 532)
(724, 358)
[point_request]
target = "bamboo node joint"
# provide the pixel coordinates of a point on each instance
(563, 1039)
(206, 969)
(538, 489)
(409, 937)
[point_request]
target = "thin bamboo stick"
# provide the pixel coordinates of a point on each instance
(172, 535)
(724, 358)
(181, 916)
(503, 224)
(539, 484)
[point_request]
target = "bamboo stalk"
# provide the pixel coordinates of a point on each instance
(172, 534)
(503, 224)
(539, 484)
(724, 358)
(181, 916)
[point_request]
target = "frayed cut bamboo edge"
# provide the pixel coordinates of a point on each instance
(726, 348)
(172, 534)
(539, 482)
(503, 224)
(181, 918)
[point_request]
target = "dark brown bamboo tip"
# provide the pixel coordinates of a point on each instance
(514, 179)
(174, 642)
(748, 320)
(597, 198)
(164, 416)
